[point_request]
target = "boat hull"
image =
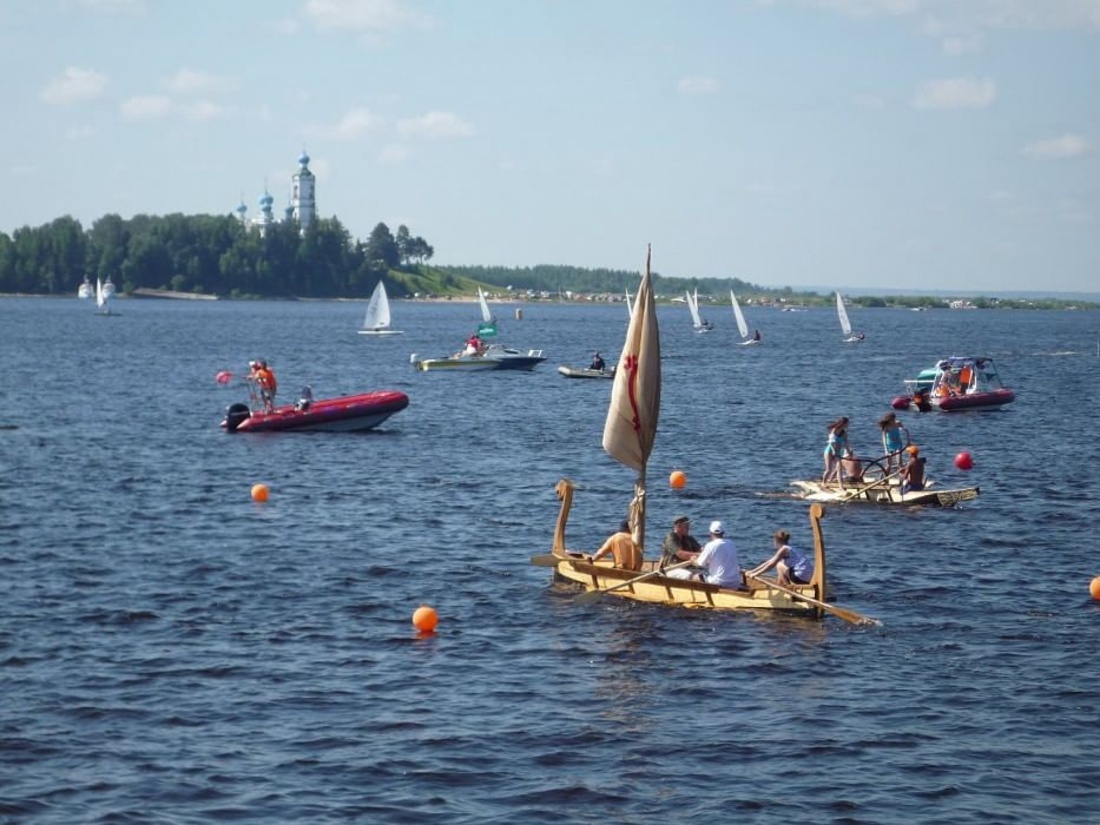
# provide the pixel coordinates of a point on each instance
(381, 332)
(577, 569)
(349, 413)
(506, 359)
(972, 401)
(886, 494)
(581, 372)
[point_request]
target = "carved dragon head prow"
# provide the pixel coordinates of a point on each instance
(564, 489)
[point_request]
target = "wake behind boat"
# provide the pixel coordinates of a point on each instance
(377, 320)
(629, 433)
(348, 413)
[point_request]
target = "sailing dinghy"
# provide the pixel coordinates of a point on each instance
(845, 324)
(377, 321)
(697, 321)
(628, 437)
(742, 327)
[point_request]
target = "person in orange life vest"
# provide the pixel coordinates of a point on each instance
(265, 377)
(622, 547)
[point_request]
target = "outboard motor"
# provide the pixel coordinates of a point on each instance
(235, 415)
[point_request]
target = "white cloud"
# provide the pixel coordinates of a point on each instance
(79, 133)
(395, 153)
(145, 108)
(357, 123)
(74, 85)
(115, 6)
(955, 93)
(697, 85)
(1065, 146)
(435, 125)
(201, 110)
(190, 81)
(869, 101)
(968, 15)
(962, 44)
(365, 15)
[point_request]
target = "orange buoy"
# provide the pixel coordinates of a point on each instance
(425, 619)
(1094, 587)
(677, 480)
(259, 492)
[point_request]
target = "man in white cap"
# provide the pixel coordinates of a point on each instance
(719, 560)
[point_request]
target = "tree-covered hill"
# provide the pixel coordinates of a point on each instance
(220, 255)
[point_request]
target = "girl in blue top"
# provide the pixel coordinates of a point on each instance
(895, 438)
(836, 448)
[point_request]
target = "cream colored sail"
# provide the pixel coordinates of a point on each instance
(631, 425)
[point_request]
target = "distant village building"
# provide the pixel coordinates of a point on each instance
(301, 208)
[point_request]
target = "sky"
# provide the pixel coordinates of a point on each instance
(902, 144)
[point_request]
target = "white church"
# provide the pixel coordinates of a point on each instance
(301, 208)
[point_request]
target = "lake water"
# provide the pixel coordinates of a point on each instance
(171, 651)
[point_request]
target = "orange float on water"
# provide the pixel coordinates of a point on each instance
(677, 480)
(259, 492)
(1094, 587)
(425, 619)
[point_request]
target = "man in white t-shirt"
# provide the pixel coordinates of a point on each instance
(719, 560)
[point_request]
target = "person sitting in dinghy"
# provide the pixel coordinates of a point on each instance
(597, 363)
(792, 566)
(622, 548)
(912, 473)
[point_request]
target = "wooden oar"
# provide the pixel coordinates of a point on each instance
(593, 595)
(841, 612)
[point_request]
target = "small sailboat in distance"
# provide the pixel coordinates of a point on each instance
(742, 327)
(377, 320)
(845, 324)
(697, 321)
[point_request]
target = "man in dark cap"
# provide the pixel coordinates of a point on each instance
(679, 545)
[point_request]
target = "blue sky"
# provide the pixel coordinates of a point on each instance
(909, 144)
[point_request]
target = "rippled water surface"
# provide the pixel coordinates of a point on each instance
(171, 651)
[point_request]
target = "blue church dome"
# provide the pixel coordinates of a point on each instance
(303, 159)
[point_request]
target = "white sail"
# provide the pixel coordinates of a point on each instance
(742, 327)
(842, 314)
(486, 315)
(100, 294)
(693, 307)
(109, 287)
(629, 304)
(631, 425)
(377, 320)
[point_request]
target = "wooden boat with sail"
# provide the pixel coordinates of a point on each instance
(629, 433)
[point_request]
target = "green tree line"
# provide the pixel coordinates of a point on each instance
(207, 254)
(214, 254)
